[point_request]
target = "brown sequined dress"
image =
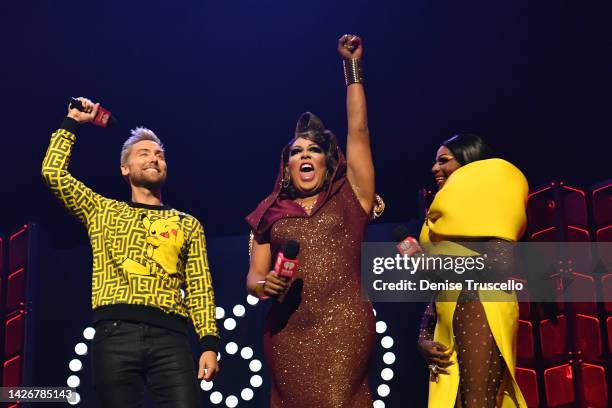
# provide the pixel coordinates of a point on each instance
(319, 337)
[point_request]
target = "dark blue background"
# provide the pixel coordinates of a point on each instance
(222, 83)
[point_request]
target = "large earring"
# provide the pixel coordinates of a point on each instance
(286, 178)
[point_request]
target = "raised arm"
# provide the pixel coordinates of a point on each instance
(360, 170)
(79, 199)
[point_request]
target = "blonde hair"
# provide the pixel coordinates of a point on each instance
(138, 135)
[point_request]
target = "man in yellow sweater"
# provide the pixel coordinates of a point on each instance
(150, 275)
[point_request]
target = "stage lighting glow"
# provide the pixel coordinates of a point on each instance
(81, 349)
(256, 381)
(219, 356)
(381, 327)
(219, 313)
(252, 300)
(386, 374)
(89, 333)
(231, 401)
(231, 348)
(74, 399)
(389, 358)
(206, 385)
(216, 397)
(255, 365)
(73, 381)
(247, 394)
(246, 353)
(182, 294)
(379, 404)
(75, 365)
(239, 310)
(383, 390)
(374, 311)
(387, 342)
(229, 323)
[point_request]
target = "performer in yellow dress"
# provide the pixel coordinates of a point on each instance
(470, 344)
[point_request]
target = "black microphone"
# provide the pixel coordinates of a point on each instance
(103, 119)
(286, 262)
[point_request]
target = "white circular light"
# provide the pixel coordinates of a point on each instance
(381, 327)
(206, 385)
(387, 342)
(256, 381)
(229, 323)
(231, 348)
(231, 401)
(74, 399)
(247, 394)
(73, 381)
(75, 365)
(182, 293)
(252, 300)
(374, 311)
(386, 374)
(218, 356)
(89, 333)
(219, 313)
(246, 353)
(379, 404)
(81, 349)
(239, 310)
(389, 358)
(216, 397)
(383, 390)
(255, 365)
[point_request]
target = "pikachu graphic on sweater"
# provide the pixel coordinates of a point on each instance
(163, 245)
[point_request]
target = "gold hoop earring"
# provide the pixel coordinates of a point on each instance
(286, 178)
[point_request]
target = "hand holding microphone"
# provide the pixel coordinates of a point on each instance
(285, 267)
(406, 244)
(83, 110)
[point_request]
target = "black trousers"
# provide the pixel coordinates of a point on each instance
(127, 356)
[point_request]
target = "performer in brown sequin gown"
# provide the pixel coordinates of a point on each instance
(319, 333)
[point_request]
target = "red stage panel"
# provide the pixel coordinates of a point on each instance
(588, 337)
(553, 338)
(18, 250)
(582, 288)
(606, 287)
(574, 206)
(602, 204)
(12, 372)
(528, 383)
(15, 290)
(554, 201)
(603, 236)
(609, 329)
(524, 347)
(558, 383)
(541, 209)
(594, 390)
(13, 341)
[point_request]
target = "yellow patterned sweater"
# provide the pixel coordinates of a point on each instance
(149, 262)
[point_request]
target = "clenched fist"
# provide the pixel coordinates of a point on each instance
(350, 46)
(90, 110)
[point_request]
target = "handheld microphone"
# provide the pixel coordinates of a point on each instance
(286, 262)
(406, 244)
(103, 119)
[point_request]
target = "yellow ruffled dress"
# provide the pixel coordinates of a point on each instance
(483, 199)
